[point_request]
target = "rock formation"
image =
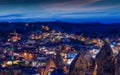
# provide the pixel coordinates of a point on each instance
(105, 61)
(82, 65)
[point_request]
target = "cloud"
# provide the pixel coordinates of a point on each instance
(59, 9)
(69, 4)
(79, 6)
(11, 15)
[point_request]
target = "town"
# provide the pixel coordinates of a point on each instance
(44, 50)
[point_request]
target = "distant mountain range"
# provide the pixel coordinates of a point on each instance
(77, 28)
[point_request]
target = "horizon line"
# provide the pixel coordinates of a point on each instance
(56, 22)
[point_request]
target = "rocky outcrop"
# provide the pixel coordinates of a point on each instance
(105, 61)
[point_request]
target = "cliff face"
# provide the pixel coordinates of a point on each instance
(118, 64)
(105, 61)
(78, 65)
(82, 65)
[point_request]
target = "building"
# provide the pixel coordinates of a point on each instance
(59, 60)
(48, 68)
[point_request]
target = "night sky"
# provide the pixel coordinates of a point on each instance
(107, 11)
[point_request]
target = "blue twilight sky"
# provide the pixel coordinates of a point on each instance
(64, 10)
